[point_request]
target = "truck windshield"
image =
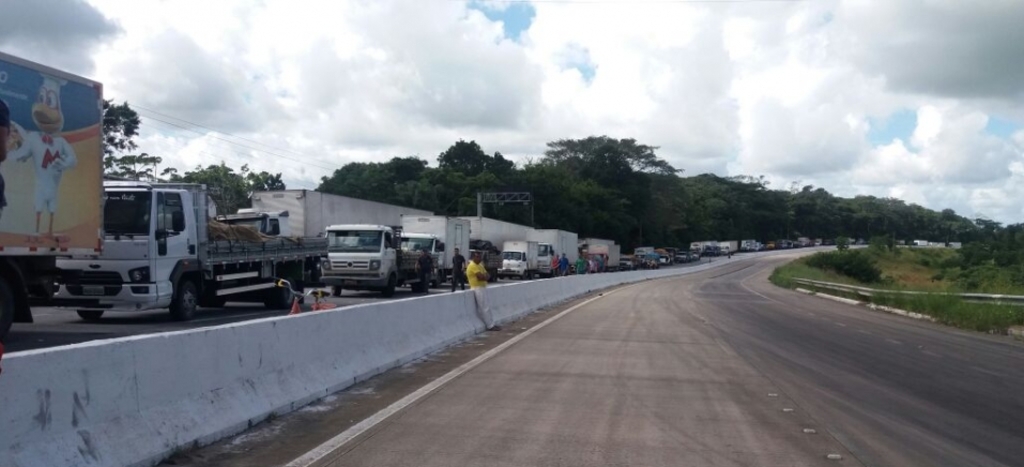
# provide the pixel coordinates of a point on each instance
(513, 255)
(354, 241)
(417, 244)
(127, 212)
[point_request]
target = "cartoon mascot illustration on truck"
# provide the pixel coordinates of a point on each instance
(49, 152)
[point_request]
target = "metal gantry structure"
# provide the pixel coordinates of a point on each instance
(502, 197)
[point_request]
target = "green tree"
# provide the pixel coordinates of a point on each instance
(229, 189)
(120, 127)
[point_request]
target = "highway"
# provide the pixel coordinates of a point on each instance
(713, 369)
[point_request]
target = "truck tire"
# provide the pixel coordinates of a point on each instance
(90, 315)
(6, 308)
(186, 298)
(389, 290)
(278, 298)
(336, 291)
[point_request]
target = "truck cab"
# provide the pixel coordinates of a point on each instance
(369, 257)
(150, 240)
(272, 224)
(519, 259)
(545, 254)
(414, 243)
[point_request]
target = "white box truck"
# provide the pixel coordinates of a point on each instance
(519, 259)
(54, 182)
(561, 241)
(452, 232)
(310, 212)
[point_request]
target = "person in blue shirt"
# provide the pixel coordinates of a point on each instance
(563, 266)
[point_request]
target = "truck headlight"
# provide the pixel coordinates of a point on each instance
(325, 264)
(374, 264)
(139, 274)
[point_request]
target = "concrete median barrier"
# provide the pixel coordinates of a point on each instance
(133, 401)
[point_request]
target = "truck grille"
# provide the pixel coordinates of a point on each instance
(350, 265)
(99, 278)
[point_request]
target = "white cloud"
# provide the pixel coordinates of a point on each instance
(787, 90)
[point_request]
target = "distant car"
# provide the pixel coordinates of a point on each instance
(625, 265)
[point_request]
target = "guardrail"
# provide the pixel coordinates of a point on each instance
(867, 292)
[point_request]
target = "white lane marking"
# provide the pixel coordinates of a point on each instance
(228, 317)
(319, 453)
(894, 341)
(840, 324)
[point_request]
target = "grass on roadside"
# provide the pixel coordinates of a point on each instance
(947, 309)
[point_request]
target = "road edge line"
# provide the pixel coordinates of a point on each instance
(319, 454)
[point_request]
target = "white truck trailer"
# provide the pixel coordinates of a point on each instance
(56, 122)
(520, 259)
(561, 241)
(310, 212)
(495, 231)
(452, 232)
(158, 254)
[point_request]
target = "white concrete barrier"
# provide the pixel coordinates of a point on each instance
(133, 401)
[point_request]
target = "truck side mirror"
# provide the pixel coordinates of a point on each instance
(178, 221)
(440, 246)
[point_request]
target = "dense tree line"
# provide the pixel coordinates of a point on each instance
(620, 189)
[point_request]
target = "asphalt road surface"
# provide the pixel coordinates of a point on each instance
(720, 369)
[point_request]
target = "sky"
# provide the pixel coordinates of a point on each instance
(915, 99)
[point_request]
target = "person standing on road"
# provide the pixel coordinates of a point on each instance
(563, 266)
(458, 270)
(476, 273)
(554, 264)
(424, 264)
(581, 265)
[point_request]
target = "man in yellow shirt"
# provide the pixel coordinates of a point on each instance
(476, 273)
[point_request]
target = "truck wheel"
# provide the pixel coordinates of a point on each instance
(336, 291)
(6, 308)
(278, 298)
(90, 315)
(183, 306)
(389, 290)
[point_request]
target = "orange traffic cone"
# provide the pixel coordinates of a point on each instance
(296, 309)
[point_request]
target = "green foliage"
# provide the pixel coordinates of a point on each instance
(120, 127)
(230, 190)
(857, 265)
(842, 243)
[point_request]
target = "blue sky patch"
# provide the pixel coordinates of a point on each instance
(516, 17)
(898, 125)
(1001, 128)
(578, 57)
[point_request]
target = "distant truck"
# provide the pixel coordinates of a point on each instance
(370, 257)
(748, 245)
(158, 254)
(520, 260)
(561, 241)
(56, 142)
(729, 246)
(451, 232)
(311, 212)
(608, 249)
(272, 224)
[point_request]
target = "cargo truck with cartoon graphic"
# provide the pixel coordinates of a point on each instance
(53, 182)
